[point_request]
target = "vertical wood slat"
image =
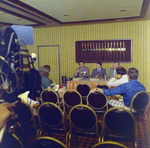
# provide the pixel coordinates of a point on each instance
(66, 36)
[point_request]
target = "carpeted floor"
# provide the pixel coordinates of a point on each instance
(143, 140)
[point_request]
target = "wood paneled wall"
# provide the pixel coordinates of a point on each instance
(65, 37)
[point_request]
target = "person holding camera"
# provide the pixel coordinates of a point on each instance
(6, 111)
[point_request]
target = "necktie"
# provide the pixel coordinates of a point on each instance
(115, 72)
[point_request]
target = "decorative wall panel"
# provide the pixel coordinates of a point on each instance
(106, 51)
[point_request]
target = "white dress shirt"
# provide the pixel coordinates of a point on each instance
(116, 82)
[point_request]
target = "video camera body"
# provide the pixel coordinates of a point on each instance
(17, 73)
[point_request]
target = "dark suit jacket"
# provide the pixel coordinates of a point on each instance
(101, 74)
(86, 74)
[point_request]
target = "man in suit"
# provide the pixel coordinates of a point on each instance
(99, 72)
(82, 71)
(112, 70)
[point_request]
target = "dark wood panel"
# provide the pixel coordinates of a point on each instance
(106, 51)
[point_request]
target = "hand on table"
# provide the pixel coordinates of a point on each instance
(96, 89)
(77, 71)
(118, 76)
(6, 111)
(53, 84)
(82, 72)
(96, 76)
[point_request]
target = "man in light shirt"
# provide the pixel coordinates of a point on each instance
(120, 78)
(82, 71)
(112, 70)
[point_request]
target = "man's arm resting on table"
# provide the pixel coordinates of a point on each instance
(115, 91)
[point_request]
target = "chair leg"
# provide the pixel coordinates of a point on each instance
(68, 139)
(76, 140)
(147, 124)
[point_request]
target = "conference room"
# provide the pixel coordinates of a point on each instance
(69, 62)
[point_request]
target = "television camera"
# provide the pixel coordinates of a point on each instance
(16, 66)
(17, 72)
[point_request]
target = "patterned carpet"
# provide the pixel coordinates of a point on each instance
(143, 140)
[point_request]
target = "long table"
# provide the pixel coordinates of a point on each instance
(73, 84)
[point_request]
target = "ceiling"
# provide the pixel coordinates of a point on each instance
(49, 13)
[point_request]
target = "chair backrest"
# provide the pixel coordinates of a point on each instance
(97, 101)
(83, 89)
(83, 118)
(25, 114)
(49, 96)
(71, 98)
(10, 140)
(119, 120)
(50, 115)
(102, 86)
(109, 144)
(140, 101)
(48, 142)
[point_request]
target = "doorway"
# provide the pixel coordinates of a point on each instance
(50, 55)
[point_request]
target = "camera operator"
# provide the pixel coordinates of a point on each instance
(6, 111)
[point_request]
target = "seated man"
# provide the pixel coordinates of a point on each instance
(99, 72)
(112, 70)
(120, 78)
(127, 90)
(82, 71)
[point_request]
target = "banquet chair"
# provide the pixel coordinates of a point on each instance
(25, 115)
(23, 123)
(48, 142)
(84, 90)
(51, 119)
(98, 102)
(109, 144)
(139, 106)
(10, 140)
(49, 95)
(71, 98)
(83, 122)
(118, 123)
(102, 86)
